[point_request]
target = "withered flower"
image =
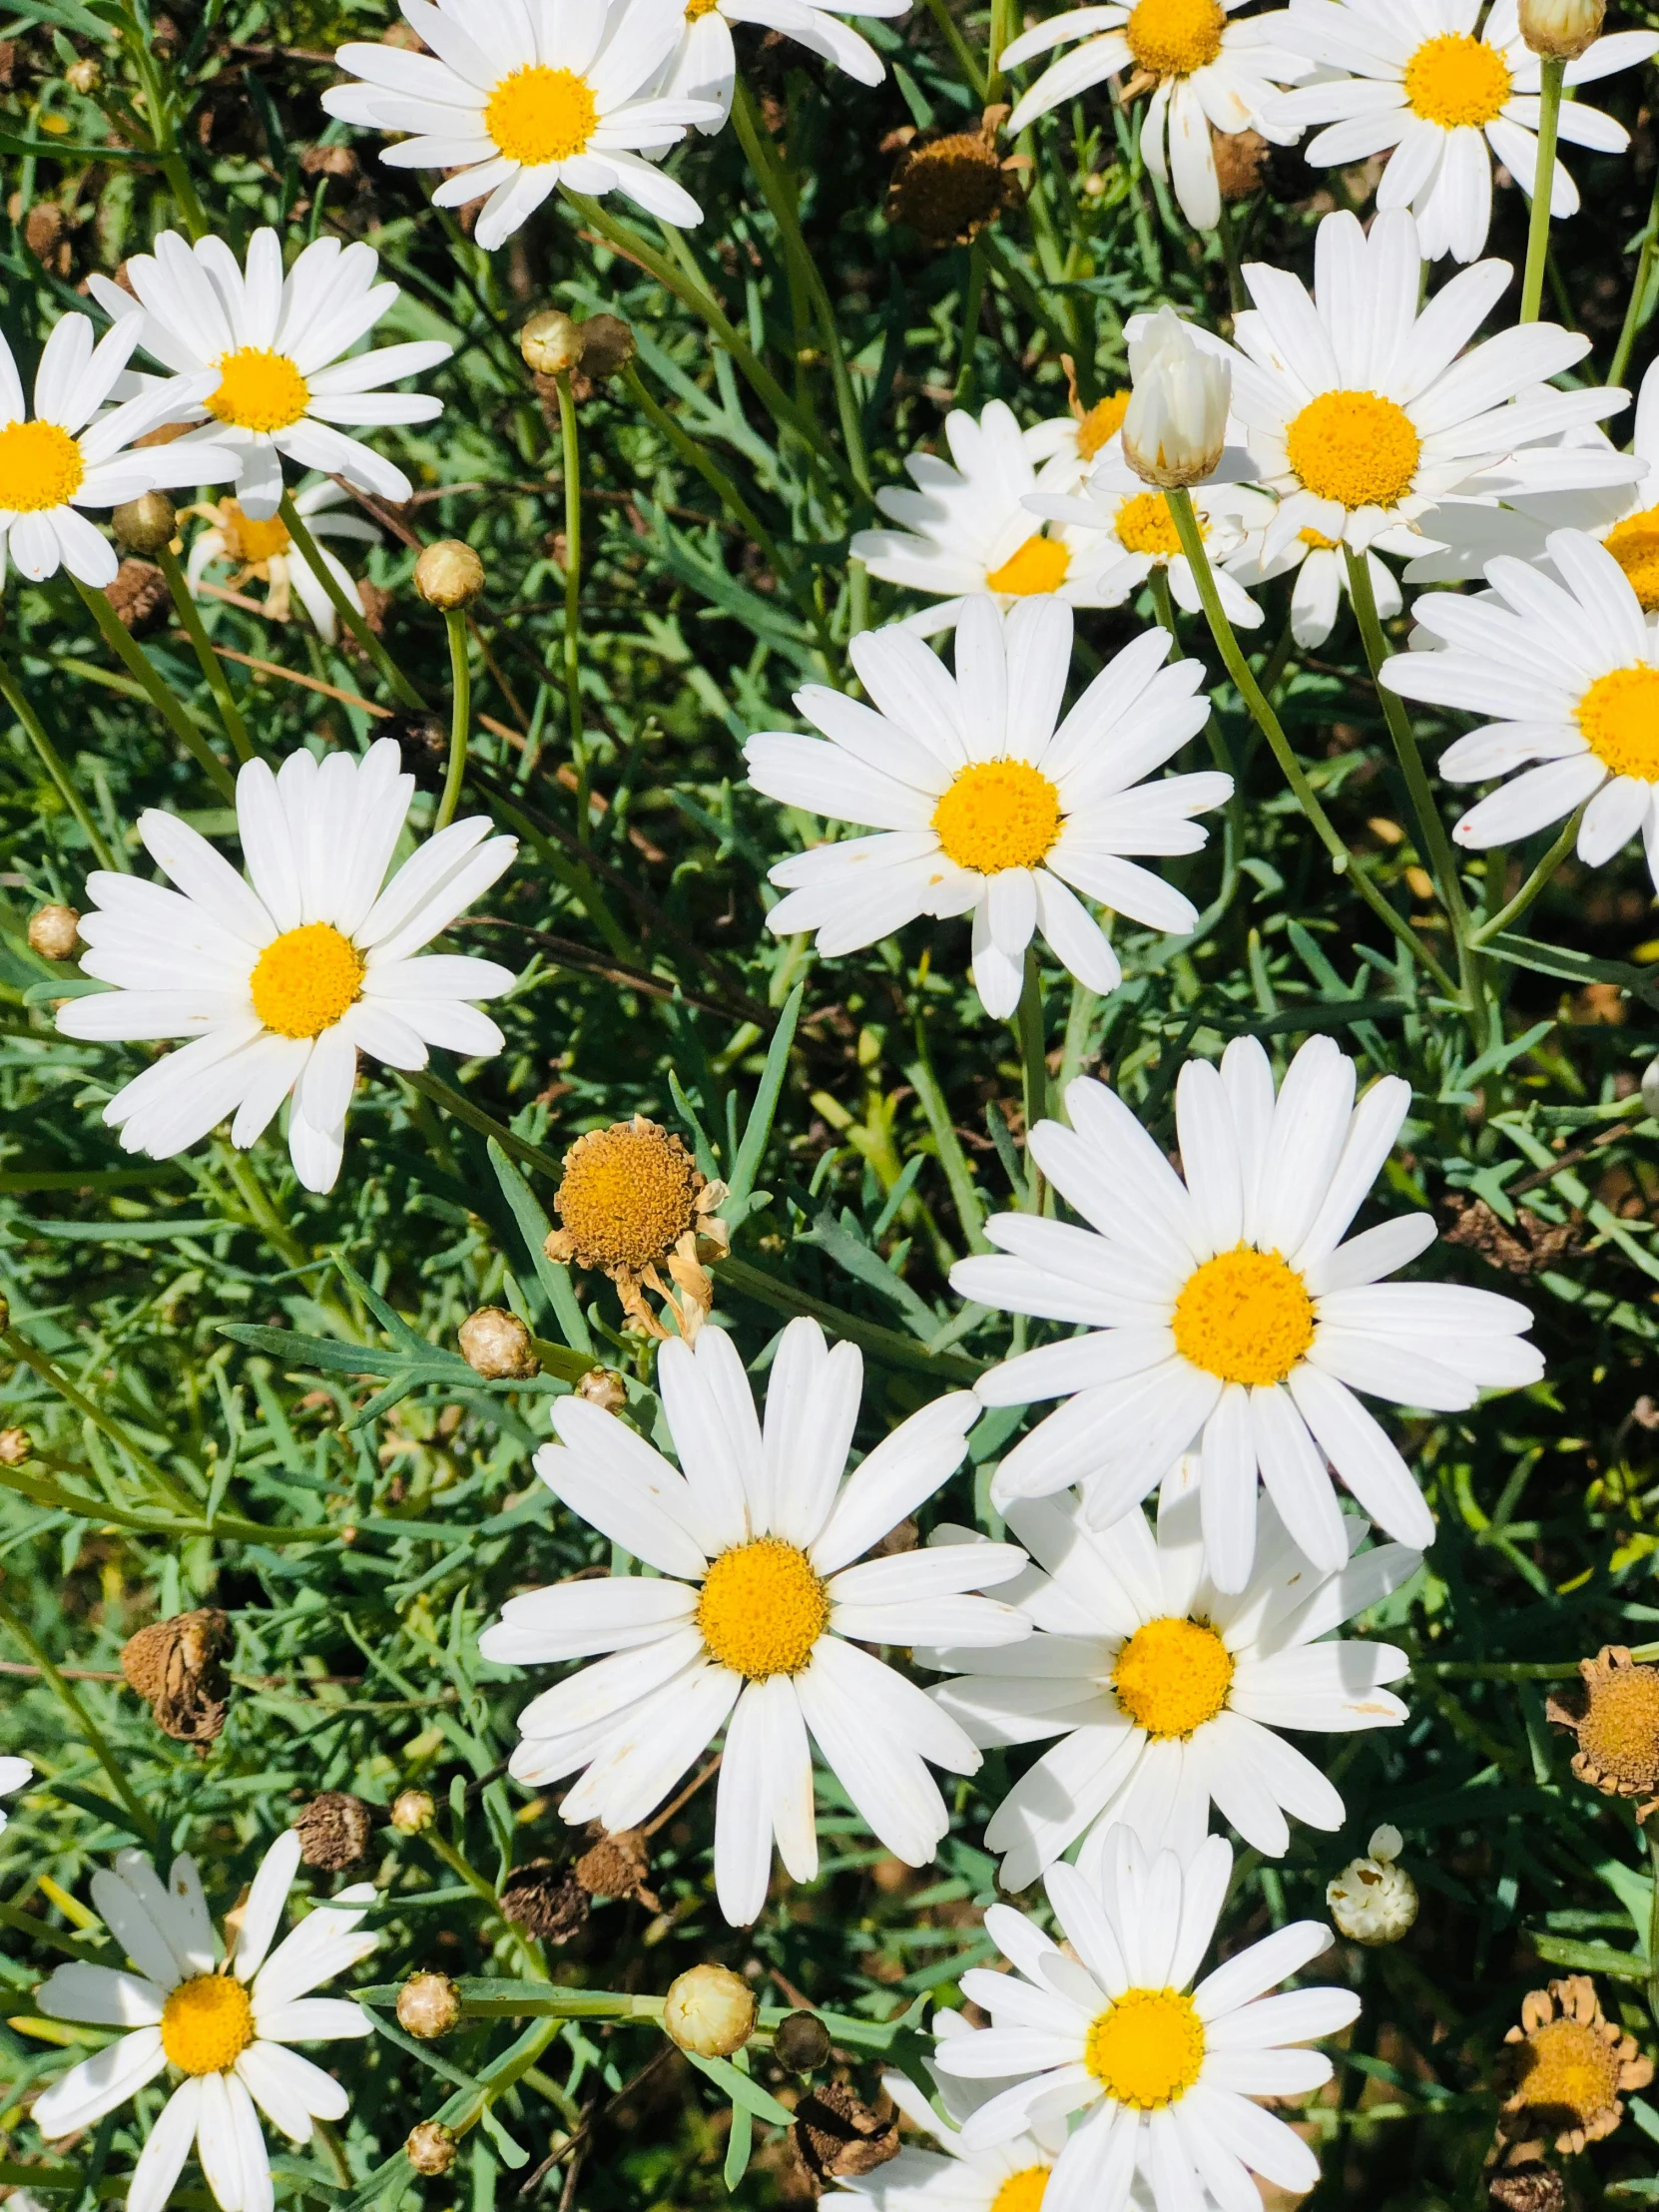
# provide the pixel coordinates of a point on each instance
(545, 1901)
(947, 188)
(1569, 2066)
(632, 1203)
(835, 2134)
(615, 1866)
(1618, 1727)
(173, 1666)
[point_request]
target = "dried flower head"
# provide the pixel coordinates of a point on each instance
(835, 2134)
(1569, 2065)
(54, 933)
(616, 1867)
(607, 346)
(428, 2005)
(801, 2042)
(545, 1901)
(604, 1387)
(947, 188)
(1531, 2187)
(335, 1831)
(1618, 1727)
(139, 595)
(632, 1203)
(1242, 158)
(174, 1665)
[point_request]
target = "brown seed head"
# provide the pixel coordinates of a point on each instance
(545, 1901)
(428, 2005)
(44, 229)
(174, 1665)
(836, 2134)
(449, 575)
(1242, 158)
(145, 524)
(948, 189)
(497, 1345)
(616, 1866)
(1528, 2188)
(801, 2042)
(139, 596)
(335, 1831)
(54, 933)
(607, 346)
(431, 2147)
(551, 342)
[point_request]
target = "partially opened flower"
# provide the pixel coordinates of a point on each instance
(1074, 442)
(515, 102)
(14, 1774)
(1166, 1694)
(704, 64)
(981, 805)
(1569, 2067)
(271, 359)
(1234, 1307)
(1113, 2027)
(264, 552)
(221, 2017)
(754, 1617)
(283, 980)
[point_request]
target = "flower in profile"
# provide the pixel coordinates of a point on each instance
(631, 1205)
(1138, 525)
(1571, 2067)
(222, 2018)
(1114, 2027)
(1616, 1727)
(1321, 578)
(283, 980)
(1563, 670)
(1444, 102)
(1561, 29)
(14, 1774)
(981, 805)
(704, 64)
(71, 454)
(269, 359)
(1202, 70)
(515, 103)
(1234, 1307)
(263, 552)
(754, 1615)
(1175, 427)
(1165, 1695)
(1373, 1899)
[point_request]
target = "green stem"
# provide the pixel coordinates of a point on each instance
(573, 602)
(344, 605)
(70, 1699)
(1544, 182)
(1237, 298)
(212, 666)
(460, 716)
(159, 114)
(973, 294)
(166, 1485)
(885, 1345)
(1033, 1062)
(127, 650)
(971, 1209)
(1261, 710)
(1534, 884)
(1653, 1927)
(1638, 293)
(13, 694)
(967, 61)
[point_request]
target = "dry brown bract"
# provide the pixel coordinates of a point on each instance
(836, 2134)
(947, 189)
(616, 1866)
(175, 1667)
(1571, 2067)
(1618, 1728)
(1528, 2188)
(633, 1204)
(335, 1831)
(545, 1901)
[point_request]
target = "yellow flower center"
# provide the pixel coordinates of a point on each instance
(1569, 2068)
(762, 1608)
(1318, 542)
(1354, 447)
(1245, 1315)
(1098, 428)
(1172, 38)
(1021, 2192)
(40, 467)
(251, 542)
(1619, 716)
(1634, 544)
(541, 115)
(304, 981)
(1172, 1676)
(697, 8)
(1619, 1734)
(1146, 2049)
(207, 2025)
(627, 1195)
(997, 814)
(1145, 525)
(1040, 565)
(1458, 82)
(259, 390)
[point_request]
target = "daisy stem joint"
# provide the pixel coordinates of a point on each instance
(1507, 916)
(1537, 233)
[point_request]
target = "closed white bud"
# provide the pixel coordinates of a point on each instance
(1176, 426)
(1650, 1087)
(1561, 30)
(1373, 1899)
(710, 2010)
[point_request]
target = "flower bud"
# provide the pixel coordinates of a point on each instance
(84, 76)
(1561, 30)
(428, 2005)
(497, 1345)
(801, 2042)
(54, 933)
(16, 1445)
(431, 2147)
(1176, 426)
(1373, 1899)
(413, 1810)
(710, 2010)
(449, 575)
(604, 1387)
(607, 346)
(551, 342)
(145, 524)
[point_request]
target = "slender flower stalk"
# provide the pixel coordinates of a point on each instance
(52, 761)
(137, 663)
(352, 616)
(190, 614)
(460, 716)
(1554, 72)
(1537, 882)
(572, 642)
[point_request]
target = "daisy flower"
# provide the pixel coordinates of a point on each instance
(1165, 1692)
(263, 552)
(981, 806)
(1417, 83)
(1228, 1306)
(519, 101)
(704, 64)
(1140, 530)
(1075, 441)
(283, 980)
(224, 2028)
(1564, 670)
(70, 455)
(753, 1618)
(966, 529)
(270, 356)
(14, 1774)
(1362, 412)
(1112, 2027)
(1201, 68)
(1322, 579)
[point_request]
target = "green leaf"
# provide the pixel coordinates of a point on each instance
(535, 1227)
(1559, 1951)
(758, 1128)
(743, 2091)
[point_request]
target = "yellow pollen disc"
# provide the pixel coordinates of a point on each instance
(762, 1609)
(697, 8)
(1021, 2192)
(1040, 565)
(1457, 81)
(1098, 428)
(1172, 1676)
(1619, 1734)
(1634, 544)
(40, 467)
(1354, 447)
(541, 115)
(207, 2025)
(250, 541)
(997, 814)
(305, 980)
(1145, 525)
(627, 1195)
(1318, 542)
(1172, 38)
(1146, 2049)
(1570, 2068)
(1619, 716)
(259, 390)
(1245, 1315)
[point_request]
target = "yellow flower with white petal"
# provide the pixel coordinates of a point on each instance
(261, 551)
